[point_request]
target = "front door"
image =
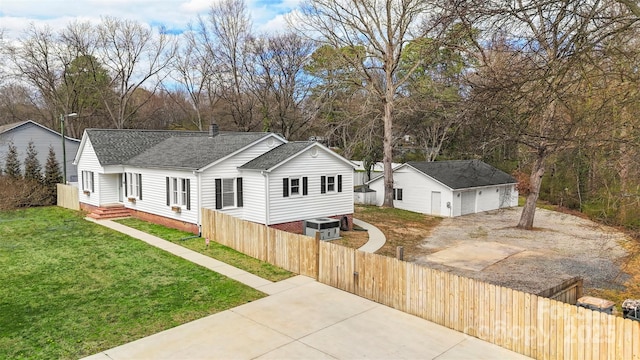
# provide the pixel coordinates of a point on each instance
(120, 188)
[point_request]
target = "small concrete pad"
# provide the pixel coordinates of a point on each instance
(308, 311)
(473, 255)
(296, 350)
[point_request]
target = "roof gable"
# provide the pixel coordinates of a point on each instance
(285, 152)
(276, 155)
(462, 174)
(9, 127)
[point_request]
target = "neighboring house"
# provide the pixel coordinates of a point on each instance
(449, 188)
(21, 133)
(168, 176)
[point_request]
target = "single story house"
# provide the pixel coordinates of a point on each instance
(168, 176)
(21, 133)
(449, 188)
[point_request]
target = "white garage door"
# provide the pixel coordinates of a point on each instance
(468, 202)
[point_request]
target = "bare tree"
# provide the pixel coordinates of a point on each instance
(228, 28)
(194, 68)
(532, 72)
(134, 55)
(280, 83)
(40, 59)
(382, 28)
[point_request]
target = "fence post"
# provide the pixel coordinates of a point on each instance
(318, 255)
(400, 253)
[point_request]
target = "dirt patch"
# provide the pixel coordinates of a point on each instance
(400, 227)
(561, 246)
(352, 239)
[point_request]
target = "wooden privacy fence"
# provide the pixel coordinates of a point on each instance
(525, 323)
(67, 196)
(569, 291)
(293, 252)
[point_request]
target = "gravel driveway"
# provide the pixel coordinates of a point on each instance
(487, 246)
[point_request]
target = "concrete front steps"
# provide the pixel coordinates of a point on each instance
(109, 211)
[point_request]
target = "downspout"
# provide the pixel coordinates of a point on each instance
(199, 187)
(266, 196)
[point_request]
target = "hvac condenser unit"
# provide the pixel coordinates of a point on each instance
(328, 228)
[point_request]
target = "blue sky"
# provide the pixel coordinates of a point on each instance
(16, 15)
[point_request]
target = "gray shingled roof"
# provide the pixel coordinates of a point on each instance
(6, 127)
(462, 174)
(277, 155)
(117, 146)
(194, 152)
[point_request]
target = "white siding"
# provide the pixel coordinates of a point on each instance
(253, 184)
(294, 208)
(229, 169)
(88, 161)
(416, 191)
(154, 194)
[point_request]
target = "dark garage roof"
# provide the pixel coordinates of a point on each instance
(463, 174)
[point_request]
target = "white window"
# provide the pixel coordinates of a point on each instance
(87, 180)
(330, 184)
(175, 191)
(133, 185)
(179, 192)
(295, 186)
(397, 194)
(228, 193)
(183, 192)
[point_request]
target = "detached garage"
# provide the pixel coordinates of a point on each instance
(449, 188)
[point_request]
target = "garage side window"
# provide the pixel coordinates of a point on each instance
(397, 194)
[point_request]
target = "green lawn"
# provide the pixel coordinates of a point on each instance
(71, 288)
(214, 250)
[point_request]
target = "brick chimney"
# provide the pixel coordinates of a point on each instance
(213, 128)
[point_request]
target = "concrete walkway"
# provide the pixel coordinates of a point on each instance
(376, 237)
(309, 321)
(256, 282)
(301, 319)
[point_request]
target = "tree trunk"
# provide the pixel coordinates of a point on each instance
(387, 155)
(529, 210)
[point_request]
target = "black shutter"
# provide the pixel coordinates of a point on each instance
(339, 183)
(126, 191)
(323, 184)
(399, 194)
(305, 190)
(83, 183)
(140, 186)
(168, 193)
(91, 182)
(285, 187)
(218, 193)
(239, 191)
(188, 185)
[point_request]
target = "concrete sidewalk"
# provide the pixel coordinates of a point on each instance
(310, 320)
(256, 282)
(376, 237)
(301, 319)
